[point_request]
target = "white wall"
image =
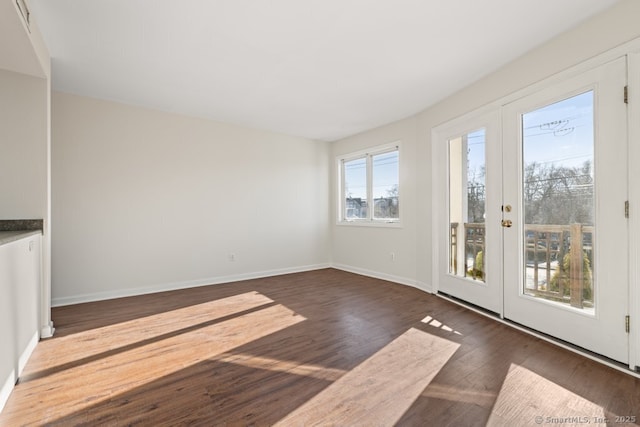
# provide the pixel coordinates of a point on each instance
(23, 154)
(22, 49)
(364, 248)
(145, 200)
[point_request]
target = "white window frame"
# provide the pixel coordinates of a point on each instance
(367, 154)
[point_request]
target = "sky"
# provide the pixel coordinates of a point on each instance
(385, 175)
(560, 133)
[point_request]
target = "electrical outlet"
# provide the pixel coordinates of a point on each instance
(232, 257)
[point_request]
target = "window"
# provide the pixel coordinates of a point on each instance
(369, 186)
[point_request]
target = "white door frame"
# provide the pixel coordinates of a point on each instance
(633, 125)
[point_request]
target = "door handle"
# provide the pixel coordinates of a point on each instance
(506, 223)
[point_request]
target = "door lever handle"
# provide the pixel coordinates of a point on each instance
(506, 223)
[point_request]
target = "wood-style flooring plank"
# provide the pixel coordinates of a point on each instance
(318, 348)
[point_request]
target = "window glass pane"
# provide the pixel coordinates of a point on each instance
(355, 188)
(475, 177)
(385, 186)
(558, 198)
(467, 205)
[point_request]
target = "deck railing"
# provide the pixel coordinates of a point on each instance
(552, 270)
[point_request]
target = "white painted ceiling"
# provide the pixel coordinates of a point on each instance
(322, 69)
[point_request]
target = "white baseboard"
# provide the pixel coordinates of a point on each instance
(100, 296)
(26, 354)
(12, 378)
(47, 331)
(6, 389)
(384, 276)
(425, 287)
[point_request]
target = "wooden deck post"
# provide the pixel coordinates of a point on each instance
(576, 263)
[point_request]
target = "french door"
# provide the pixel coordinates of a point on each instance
(535, 227)
(566, 254)
(469, 186)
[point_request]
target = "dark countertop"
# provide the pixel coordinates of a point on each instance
(21, 224)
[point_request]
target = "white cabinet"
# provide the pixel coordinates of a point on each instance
(20, 283)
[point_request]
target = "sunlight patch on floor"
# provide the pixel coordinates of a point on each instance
(527, 398)
(380, 389)
(121, 372)
(98, 340)
(437, 324)
(477, 397)
(289, 367)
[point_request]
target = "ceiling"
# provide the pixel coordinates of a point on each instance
(321, 69)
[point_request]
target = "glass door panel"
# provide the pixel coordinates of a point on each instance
(559, 201)
(467, 168)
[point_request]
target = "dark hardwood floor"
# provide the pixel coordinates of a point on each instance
(319, 348)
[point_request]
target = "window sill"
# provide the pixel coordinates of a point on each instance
(379, 224)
